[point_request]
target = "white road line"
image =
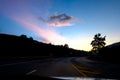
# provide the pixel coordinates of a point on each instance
(31, 72)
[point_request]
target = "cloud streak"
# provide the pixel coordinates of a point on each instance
(25, 16)
(46, 34)
(60, 20)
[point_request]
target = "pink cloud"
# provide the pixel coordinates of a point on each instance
(60, 24)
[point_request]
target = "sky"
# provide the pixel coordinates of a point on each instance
(72, 22)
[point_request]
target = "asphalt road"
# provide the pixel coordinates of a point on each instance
(62, 67)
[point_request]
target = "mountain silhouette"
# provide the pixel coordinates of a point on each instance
(11, 45)
(114, 45)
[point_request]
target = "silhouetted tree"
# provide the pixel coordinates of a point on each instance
(98, 42)
(66, 45)
(23, 36)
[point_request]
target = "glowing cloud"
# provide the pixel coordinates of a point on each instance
(60, 24)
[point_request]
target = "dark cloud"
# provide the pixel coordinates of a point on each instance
(62, 18)
(59, 20)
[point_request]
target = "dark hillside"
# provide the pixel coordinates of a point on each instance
(11, 45)
(109, 53)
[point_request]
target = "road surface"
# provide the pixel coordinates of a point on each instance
(62, 67)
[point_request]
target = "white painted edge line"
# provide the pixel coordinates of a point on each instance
(31, 72)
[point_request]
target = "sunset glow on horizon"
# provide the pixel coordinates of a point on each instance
(72, 22)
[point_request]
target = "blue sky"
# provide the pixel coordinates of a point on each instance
(74, 22)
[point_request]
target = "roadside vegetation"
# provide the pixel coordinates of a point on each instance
(23, 47)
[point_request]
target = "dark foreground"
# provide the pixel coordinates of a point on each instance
(60, 67)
